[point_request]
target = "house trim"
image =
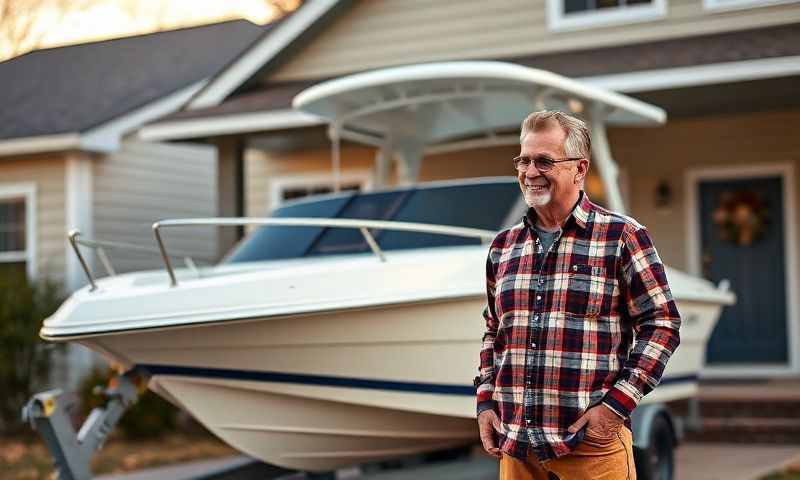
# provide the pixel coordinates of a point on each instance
(27, 191)
(227, 124)
(726, 5)
(557, 21)
(39, 143)
(78, 214)
(786, 172)
(272, 44)
(277, 184)
(728, 72)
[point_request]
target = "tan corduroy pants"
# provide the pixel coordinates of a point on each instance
(593, 459)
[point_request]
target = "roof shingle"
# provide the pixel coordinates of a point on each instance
(77, 87)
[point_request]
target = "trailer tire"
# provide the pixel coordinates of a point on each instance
(657, 460)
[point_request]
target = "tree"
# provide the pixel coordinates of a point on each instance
(20, 30)
(25, 360)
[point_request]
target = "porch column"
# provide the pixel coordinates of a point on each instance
(230, 189)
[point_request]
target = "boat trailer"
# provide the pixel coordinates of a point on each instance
(49, 414)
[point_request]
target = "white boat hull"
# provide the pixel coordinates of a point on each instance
(322, 391)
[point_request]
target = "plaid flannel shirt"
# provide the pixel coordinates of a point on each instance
(591, 322)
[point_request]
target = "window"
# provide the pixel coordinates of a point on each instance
(740, 4)
(16, 230)
(577, 14)
(288, 188)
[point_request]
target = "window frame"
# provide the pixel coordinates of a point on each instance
(558, 21)
(279, 184)
(27, 191)
(725, 5)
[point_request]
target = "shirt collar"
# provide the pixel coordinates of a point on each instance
(579, 215)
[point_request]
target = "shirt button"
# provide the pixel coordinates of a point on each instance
(541, 281)
(536, 318)
(574, 268)
(539, 298)
(533, 344)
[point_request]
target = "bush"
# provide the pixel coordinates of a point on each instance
(149, 417)
(25, 360)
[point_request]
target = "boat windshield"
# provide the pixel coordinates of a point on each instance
(479, 205)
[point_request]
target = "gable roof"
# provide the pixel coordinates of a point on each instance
(75, 88)
(286, 38)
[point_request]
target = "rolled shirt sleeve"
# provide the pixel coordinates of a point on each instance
(649, 306)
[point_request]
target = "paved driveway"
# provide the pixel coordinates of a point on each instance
(695, 461)
(719, 461)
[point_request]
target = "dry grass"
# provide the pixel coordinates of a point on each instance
(790, 472)
(29, 459)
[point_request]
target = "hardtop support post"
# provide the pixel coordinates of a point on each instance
(409, 156)
(601, 153)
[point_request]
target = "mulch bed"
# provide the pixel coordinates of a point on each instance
(28, 459)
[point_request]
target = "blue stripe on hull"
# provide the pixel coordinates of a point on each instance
(328, 381)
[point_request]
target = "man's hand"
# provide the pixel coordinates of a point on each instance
(603, 422)
(488, 423)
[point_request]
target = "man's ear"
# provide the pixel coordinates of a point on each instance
(583, 168)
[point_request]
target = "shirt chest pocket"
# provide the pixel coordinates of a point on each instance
(590, 290)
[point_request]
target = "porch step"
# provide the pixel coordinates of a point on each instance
(737, 408)
(748, 430)
(748, 412)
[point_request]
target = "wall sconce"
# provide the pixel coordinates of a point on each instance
(663, 196)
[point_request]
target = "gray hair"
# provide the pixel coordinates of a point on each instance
(578, 144)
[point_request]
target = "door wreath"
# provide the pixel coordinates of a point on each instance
(741, 217)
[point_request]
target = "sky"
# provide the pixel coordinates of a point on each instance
(101, 19)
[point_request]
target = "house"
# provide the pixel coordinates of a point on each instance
(67, 159)
(716, 185)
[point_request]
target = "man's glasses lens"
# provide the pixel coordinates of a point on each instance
(542, 164)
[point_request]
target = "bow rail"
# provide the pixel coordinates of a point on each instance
(362, 225)
(100, 245)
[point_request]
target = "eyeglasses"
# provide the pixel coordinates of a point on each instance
(543, 163)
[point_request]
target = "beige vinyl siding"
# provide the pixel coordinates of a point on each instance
(46, 172)
(667, 153)
(262, 168)
(377, 33)
(145, 182)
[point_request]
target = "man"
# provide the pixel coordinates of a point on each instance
(580, 321)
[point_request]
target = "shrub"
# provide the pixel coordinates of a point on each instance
(25, 360)
(149, 417)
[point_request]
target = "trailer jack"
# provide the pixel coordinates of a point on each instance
(48, 413)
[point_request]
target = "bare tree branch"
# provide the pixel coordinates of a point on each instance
(19, 20)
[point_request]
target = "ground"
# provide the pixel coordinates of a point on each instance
(28, 459)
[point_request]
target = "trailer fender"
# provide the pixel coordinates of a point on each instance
(642, 422)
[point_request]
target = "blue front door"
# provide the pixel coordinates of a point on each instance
(742, 238)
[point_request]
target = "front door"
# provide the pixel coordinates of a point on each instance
(742, 234)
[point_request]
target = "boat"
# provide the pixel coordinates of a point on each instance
(346, 328)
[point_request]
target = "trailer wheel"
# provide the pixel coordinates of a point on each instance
(657, 461)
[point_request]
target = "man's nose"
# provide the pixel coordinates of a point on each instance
(532, 171)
